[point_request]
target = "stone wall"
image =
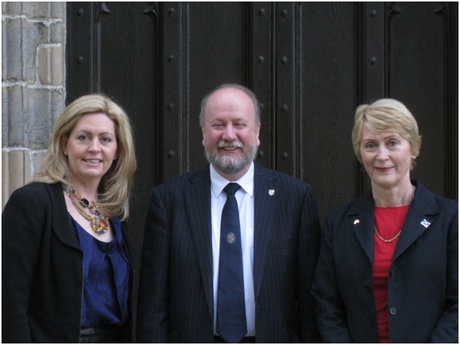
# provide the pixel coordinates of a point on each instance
(33, 85)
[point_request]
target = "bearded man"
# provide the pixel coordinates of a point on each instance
(213, 275)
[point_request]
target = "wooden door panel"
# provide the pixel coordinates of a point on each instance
(417, 75)
(330, 91)
(310, 64)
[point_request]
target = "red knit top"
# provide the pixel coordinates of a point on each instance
(388, 223)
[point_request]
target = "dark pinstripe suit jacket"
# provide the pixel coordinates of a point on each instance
(176, 290)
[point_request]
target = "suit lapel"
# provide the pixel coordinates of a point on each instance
(264, 207)
(197, 196)
(421, 214)
(61, 220)
(361, 216)
(418, 220)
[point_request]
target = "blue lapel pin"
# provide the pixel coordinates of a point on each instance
(425, 223)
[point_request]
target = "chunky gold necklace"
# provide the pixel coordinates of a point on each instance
(384, 240)
(99, 222)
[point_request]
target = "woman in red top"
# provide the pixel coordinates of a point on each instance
(388, 267)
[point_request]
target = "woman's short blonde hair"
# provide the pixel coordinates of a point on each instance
(117, 183)
(384, 115)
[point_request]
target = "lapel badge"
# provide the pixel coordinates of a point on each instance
(356, 222)
(425, 223)
(271, 192)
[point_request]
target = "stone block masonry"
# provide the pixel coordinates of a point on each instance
(33, 85)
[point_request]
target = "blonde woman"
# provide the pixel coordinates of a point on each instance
(67, 269)
(388, 266)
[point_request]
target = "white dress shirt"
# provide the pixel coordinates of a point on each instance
(245, 198)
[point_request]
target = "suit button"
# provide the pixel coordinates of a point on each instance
(393, 311)
(391, 273)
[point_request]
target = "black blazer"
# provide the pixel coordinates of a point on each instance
(423, 279)
(42, 275)
(176, 290)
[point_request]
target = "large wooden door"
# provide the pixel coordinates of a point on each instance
(310, 64)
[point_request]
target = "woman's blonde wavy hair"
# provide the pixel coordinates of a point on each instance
(116, 185)
(383, 115)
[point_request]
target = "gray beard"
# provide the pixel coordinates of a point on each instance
(230, 165)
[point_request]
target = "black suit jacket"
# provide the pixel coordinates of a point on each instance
(176, 291)
(42, 274)
(423, 278)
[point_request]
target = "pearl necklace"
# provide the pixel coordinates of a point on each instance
(99, 222)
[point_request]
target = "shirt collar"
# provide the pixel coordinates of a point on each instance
(218, 182)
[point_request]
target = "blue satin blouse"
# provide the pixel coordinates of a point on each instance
(106, 278)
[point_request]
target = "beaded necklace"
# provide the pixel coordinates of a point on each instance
(99, 222)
